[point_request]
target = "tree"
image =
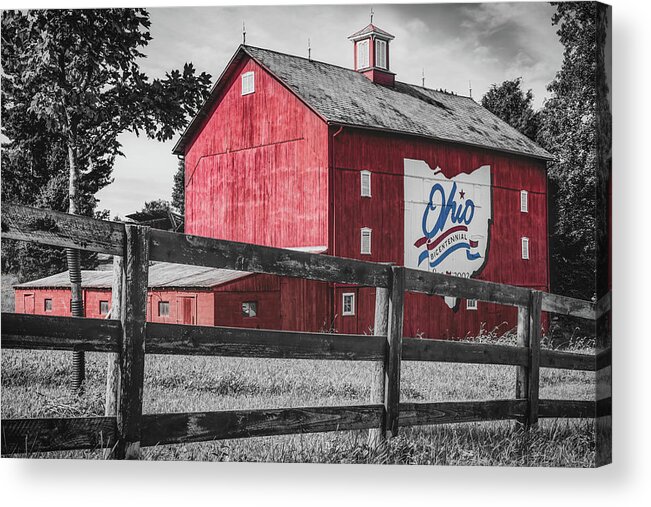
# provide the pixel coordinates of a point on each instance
(156, 205)
(178, 190)
(572, 120)
(510, 103)
(76, 73)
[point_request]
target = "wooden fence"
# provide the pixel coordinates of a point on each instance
(131, 337)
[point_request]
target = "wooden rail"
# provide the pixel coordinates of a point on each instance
(131, 338)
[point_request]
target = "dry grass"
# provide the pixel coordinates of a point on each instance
(35, 385)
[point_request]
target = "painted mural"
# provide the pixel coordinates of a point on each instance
(447, 220)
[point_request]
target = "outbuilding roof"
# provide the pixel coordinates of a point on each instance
(345, 97)
(161, 275)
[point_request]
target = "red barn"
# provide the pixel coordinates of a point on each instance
(181, 294)
(296, 153)
(292, 152)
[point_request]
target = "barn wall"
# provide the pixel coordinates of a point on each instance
(202, 306)
(383, 155)
(61, 301)
(258, 169)
(92, 298)
(305, 305)
(228, 309)
(252, 283)
(285, 303)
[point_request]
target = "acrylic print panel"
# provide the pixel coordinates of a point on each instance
(387, 245)
(449, 220)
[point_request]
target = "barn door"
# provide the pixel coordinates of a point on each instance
(28, 301)
(187, 310)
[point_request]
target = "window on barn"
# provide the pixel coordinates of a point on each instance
(524, 201)
(525, 248)
(362, 54)
(248, 83)
(366, 183)
(103, 307)
(366, 241)
(471, 304)
(250, 309)
(348, 304)
(381, 54)
(163, 308)
(47, 305)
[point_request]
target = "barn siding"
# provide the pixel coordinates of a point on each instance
(61, 301)
(383, 154)
(258, 169)
(92, 298)
(228, 309)
(202, 306)
(305, 305)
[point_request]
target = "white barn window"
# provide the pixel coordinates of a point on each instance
(525, 248)
(366, 241)
(471, 304)
(163, 308)
(381, 54)
(248, 83)
(348, 304)
(366, 183)
(362, 54)
(524, 201)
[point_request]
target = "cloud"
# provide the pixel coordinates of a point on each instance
(452, 43)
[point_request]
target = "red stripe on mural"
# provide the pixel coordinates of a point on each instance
(421, 242)
(452, 230)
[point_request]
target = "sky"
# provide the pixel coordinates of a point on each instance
(453, 44)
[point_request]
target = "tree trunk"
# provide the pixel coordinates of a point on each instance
(74, 268)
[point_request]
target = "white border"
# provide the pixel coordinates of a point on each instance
(76, 482)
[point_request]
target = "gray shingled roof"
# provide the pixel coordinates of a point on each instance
(161, 275)
(344, 96)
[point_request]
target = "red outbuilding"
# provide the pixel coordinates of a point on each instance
(295, 153)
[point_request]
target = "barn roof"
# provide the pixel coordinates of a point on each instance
(345, 97)
(161, 275)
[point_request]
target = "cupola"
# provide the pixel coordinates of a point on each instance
(371, 54)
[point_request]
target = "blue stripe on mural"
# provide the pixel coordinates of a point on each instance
(448, 252)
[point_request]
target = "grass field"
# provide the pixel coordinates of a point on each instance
(34, 384)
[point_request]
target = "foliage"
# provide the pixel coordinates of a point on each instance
(510, 103)
(71, 84)
(570, 126)
(156, 205)
(178, 190)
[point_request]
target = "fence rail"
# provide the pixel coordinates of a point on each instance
(131, 338)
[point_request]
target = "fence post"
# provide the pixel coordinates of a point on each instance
(535, 334)
(376, 436)
(113, 359)
(133, 316)
(394, 351)
(522, 372)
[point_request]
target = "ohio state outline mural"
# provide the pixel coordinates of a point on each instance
(447, 220)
